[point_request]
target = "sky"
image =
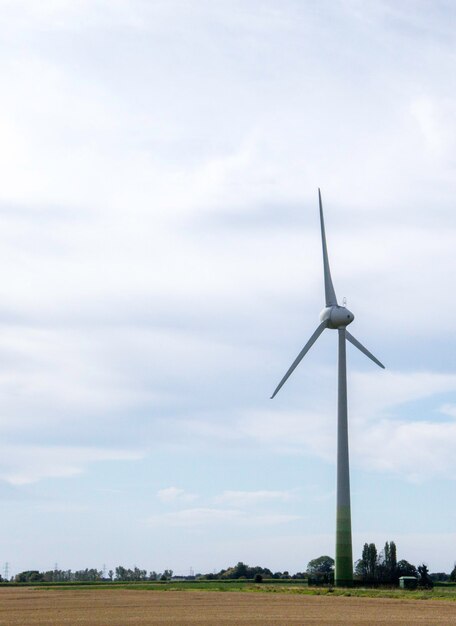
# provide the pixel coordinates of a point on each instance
(160, 269)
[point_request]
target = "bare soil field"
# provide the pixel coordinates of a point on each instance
(122, 607)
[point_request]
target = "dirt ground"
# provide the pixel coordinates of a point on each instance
(122, 607)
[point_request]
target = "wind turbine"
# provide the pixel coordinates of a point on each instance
(337, 317)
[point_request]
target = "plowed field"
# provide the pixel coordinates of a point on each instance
(122, 607)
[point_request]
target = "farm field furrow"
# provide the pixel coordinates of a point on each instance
(120, 607)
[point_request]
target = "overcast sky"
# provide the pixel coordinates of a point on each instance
(160, 268)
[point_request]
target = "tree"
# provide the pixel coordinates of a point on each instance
(393, 563)
(424, 579)
(371, 561)
(373, 567)
(88, 575)
(322, 565)
(121, 573)
(30, 576)
(393, 555)
(386, 554)
(321, 569)
(389, 559)
(141, 574)
(361, 566)
(453, 574)
(167, 574)
(367, 566)
(404, 568)
(240, 570)
(364, 564)
(387, 564)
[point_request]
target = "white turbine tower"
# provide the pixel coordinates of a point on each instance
(337, 317)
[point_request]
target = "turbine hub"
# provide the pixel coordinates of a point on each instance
(337, 316)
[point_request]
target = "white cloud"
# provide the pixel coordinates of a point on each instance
(174, 494)
(380, 438)
(376, 394)
(414, 450)
(448, 409)
(214, 516)
(25, 464)
(288, 432)
(253, 498)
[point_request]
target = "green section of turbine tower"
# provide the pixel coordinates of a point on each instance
(343, 575)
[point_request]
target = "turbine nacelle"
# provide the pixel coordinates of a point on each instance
(336, 316)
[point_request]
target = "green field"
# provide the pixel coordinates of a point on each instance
(441, 591)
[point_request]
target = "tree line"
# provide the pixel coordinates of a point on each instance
(373, 568)
(383, 567)
(243, 571)
(120, 574)
(378, 568)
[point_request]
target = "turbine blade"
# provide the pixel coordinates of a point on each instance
(330, 294)
(360, 346)
(301, 355)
